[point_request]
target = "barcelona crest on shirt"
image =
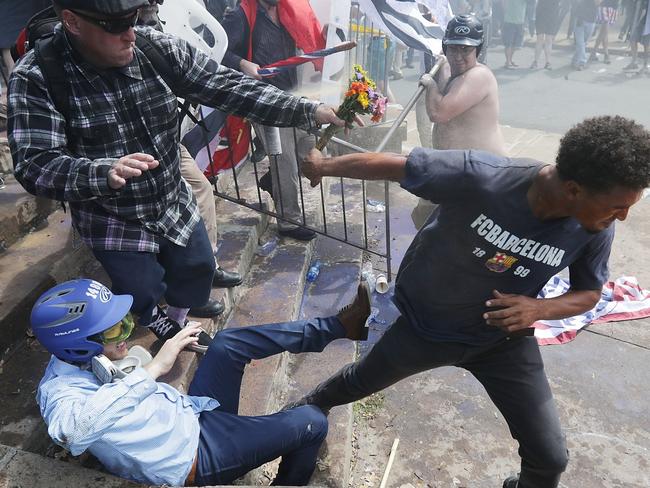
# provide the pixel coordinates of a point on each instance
(500, 262)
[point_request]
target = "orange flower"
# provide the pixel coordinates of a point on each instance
(357, 87)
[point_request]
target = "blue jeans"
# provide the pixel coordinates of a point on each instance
(582, 33)
(183, 275)
(230, 445)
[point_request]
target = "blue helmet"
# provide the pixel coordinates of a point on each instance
(64, 317)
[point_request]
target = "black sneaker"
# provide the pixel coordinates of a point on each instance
(166, 328)
(298, 233)
(266, 183)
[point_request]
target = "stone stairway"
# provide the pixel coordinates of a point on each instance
(41, 251)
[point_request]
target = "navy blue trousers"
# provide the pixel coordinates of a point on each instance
(183, 275)
(230, 445)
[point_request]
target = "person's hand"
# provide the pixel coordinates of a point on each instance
(129, 166)
(166, 357)
(326, 114)
(426, 80)
(310, 167)
(515, 311)
(442, 58)
(250, 69)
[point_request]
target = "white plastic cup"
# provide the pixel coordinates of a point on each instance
(381, 284)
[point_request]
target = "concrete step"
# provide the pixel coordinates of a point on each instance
(335, 287)
(19, 468)
(20, 212)
(31, 266)
(273, 294)
(278, 292)
(24, 469)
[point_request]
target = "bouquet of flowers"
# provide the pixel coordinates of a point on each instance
(362, 97)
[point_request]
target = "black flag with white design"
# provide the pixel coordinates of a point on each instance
(402, 19)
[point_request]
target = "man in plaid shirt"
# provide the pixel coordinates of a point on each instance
(114, 157)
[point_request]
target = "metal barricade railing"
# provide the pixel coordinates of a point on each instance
(374, 54)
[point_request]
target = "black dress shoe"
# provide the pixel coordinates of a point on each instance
(299, 233)
(511, 482)
(258, 151)
(266, 183)
(225, 279)
(211, 309)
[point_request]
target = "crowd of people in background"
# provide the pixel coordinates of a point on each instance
(587, 22)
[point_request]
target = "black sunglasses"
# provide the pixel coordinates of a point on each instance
(112, 26)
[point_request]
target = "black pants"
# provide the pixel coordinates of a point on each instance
(512, 373)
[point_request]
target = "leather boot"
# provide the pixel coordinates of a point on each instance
(353, 317)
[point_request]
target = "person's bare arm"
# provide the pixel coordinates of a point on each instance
(362, 166)
(517, 312)
(466, 91)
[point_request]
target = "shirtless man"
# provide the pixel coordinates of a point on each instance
(463, 100)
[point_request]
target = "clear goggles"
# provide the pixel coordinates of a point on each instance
(117, 333)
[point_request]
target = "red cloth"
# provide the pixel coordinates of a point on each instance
(300, 21)
(238, 133)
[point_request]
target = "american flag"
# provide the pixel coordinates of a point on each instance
(622, 299)
(274, 68)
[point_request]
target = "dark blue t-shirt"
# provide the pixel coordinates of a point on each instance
(484, 236)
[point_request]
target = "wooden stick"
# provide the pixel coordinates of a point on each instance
(391, 458)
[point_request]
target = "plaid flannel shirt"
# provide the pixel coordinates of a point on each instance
(123, 111)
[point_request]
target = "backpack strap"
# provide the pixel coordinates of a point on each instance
(48, 56)
(157, 59)
(161, 65)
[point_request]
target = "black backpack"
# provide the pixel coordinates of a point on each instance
(39, 35)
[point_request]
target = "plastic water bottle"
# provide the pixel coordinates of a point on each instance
(314, 271)
(375, 206)
(373, 317)
(268, 247)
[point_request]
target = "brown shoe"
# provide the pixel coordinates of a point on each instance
(353, 317)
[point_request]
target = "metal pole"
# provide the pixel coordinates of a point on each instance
(407, 109)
